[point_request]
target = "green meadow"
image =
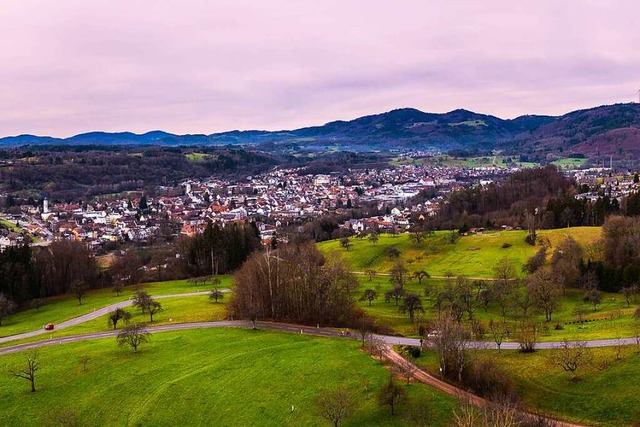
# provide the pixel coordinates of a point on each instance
(225, 377)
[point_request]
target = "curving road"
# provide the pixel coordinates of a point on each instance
(94, 315)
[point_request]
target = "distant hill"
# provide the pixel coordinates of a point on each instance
(605, 130)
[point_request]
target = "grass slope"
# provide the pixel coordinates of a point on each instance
(607, 395)
(224, 377)
(65, 307)
(474, 255)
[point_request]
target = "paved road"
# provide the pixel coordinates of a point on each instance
(94, 315)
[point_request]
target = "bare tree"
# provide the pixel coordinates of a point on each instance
(421, 274)
(216, 294)
(371, 273)
(118, 287)
(373, 237)
(411, 304)
(153, 307)
(451, 344)
(398, 275)
(134, 335)
(466, 415)
(146, 304)
(417, 237)
(29, 373)
(580, 311)
(630, 293)
(527, 336)
(407, 369)
(545, 291)
(369, 295)
(7, 306)
(116, 316)
(345, 243)
(391, 394)
(504, 270)
(79, 289)
(498, 332)
(570, 355)
(336, 405)
(395, 294)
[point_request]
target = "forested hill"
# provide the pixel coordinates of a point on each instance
(605, 130)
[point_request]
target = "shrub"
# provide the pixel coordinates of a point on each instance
(488, 379)
(506, 245)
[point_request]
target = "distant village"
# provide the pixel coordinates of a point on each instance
(274, 199)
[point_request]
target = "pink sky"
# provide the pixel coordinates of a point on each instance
(72, 66)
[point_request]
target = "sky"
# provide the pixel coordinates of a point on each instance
(187, 66)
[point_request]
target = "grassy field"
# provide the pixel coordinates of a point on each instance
(235, 377)
(468, 162)
(612, 319)
(65, 307)
(570, 163)
(474, 255)
(608, 393)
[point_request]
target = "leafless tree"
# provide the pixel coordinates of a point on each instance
(570, 355)
(146, 304)
(421, 274)
(371, 273)
(216, 294)
(398, 275)
(391, 394)
(566, 260)
(153, 307)
(466, 415)
(134, 335)
(116, 316)
(452, 345)
(411, 304)
(118, 287)
(580, 311)
(498, 332)
(407, 369)
(79, 289)
(345, 243)
(527, 336)
(395, 294)
(336, 405)
(369, 295)
(545, 290)
(504, 270)
(373, 237)
(29, 373)
(630, 293)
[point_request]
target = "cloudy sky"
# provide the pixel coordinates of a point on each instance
(189, 66)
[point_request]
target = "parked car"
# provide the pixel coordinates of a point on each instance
(49, 326)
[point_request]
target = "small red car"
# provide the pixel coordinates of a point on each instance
(49, 327)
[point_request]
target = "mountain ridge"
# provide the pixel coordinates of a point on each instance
(587, 131)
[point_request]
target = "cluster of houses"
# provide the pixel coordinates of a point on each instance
(272, 199)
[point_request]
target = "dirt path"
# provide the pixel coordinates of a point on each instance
(418, 374)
